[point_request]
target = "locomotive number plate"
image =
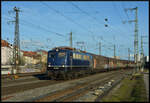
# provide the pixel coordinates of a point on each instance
(56, 68)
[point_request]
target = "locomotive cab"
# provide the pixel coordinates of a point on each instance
(56, 59)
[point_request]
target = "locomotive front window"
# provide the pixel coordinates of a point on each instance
(61, 54)
(51, 55)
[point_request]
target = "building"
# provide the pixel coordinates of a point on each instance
(43, 54)
(7, 53)
(146, 58)
(117, 57)
(31, 57)
(43, 59)
(146, 62)
(27, 57)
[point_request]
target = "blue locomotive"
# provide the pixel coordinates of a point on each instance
(65, 62)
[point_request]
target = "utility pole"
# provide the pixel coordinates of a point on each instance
(114, 51)
(71, 39)
(99, 48)
(142, 53)
(16, 45)
(128, 54)
(136, 51)
(84, 47)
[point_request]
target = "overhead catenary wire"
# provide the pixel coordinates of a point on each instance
(25, 23)
(39, 27)
(76, 6)
(68, 18)
(33, 25)
(88, 15)
(71, 20)
(117, 11)
(123, 7)
(65, 16)
(116, 29)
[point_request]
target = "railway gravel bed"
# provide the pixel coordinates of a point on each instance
(81, 91)
(27, 81)
(5, 76)
(55, 95)
(23, 87)
(24, 79)
(96, 94)
(8, 80)
(29, 92)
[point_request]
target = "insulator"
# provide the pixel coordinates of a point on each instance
(106, 19)
(106, 25)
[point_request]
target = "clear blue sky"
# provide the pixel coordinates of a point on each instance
(44, 25)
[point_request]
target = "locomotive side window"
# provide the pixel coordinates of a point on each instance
(61, 54)
(74, 55)
(85, 57)
(79, 56)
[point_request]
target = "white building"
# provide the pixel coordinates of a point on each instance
(117, 57)
(146, 58)
(6, 55)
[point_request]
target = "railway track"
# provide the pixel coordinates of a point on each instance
(24, 85)
(16, 86)
(72, 93)
(56, 88)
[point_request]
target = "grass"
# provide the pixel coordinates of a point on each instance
(146, 70)
(139, 92)
(129, 91)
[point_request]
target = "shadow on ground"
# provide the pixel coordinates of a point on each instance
(42, 76)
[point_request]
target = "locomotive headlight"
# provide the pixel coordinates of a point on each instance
(63, 65)
(49, 65)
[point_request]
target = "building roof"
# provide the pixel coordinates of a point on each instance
(30, 54)
(43, 51)
(4, 43)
